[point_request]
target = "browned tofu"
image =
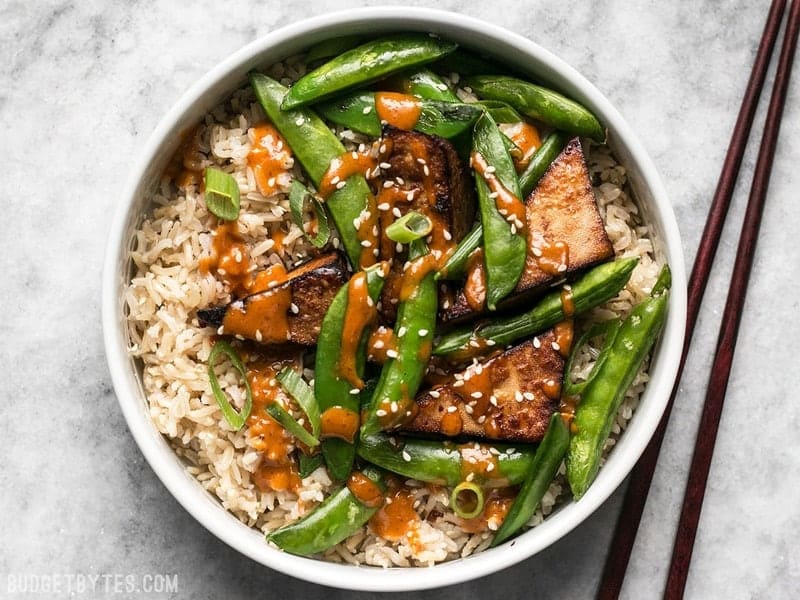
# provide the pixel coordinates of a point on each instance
(565, 232)
(290, 312)
(426, 175)
(507, 397)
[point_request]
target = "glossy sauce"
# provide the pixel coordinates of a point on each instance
(475, 285)
(567, 302)
(263, 317)
(269, 157)
(564, 332)
(359, 314)
(478, 463)
(451, 424)
(398, 110)
(551, 257)
(339, 422)
(369, 234)
(477, 392)
(415, 273)
(494, 512)
(526, 139)
(346, 165)
(396, 519)
(229, 260)
(511, 207)
(364, 489)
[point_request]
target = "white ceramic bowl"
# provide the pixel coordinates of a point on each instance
(210, 90)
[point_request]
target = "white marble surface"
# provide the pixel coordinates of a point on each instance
(82, 84)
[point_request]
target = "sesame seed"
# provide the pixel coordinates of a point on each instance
(392, 353)
(384, 206)
(478, 369)
(380, 412)
(367, 110)
(402, 331)
(385, 165)
(474, 343)
(452, 409)
(458, 383)
(423, 332)
(426, 170)
(421, 161)
(446, 304)
(366, 243)
(375, 230)
(399, 180)
(556, 346)
(221, 330)
(510, 450)
(393, 406)
(537, 252)
(490, 169)
(470, 476)
(375, 252)
(469, 409)
(354, 391)
(513, 229)
(537, 343)
(398, 247)
(477, 394)
(382, 149)
(396, 212)
(447, 235)
(299, 121)
(406, 456)
(493, 400)
(518, 396)
(336, 179)
(410, 196)
(529, 395)
(490, 342)
(294, 308)
(388, 184)
(562, 267)
(378, 344)
(482, 419)
(490, 467)
(434, 394)
(259, 337)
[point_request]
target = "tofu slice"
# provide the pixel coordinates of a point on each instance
(508, 397)
(561, 209)
(269, 318)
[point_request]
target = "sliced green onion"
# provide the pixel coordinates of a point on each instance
(222, 194)
(287, 421)
(411, 226)
(297, 200)
(609, 330)
(306, 465)
(301, 392)
(234, 419)
(473, 506)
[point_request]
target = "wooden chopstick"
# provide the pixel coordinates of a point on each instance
(642, 474)
(731, 317)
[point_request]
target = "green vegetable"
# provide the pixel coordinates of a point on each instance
(331, 389)
(297, 199)
(473, 506)
(234, 419)
(539, 103)
(442, 462)
(363, 65)
(603, 394)
(545, 465)
(332, 47)
(591, 289)
(427, 85)
(465, 63)
(411, 226)
(609, 330)
(501, 112)
(338, 517)
(221, 194)
(455, 267)
(306, 465)
(315, 146)
(287, 421)
(401, 376)
(504, 248)
(541, 160)
(294, 385)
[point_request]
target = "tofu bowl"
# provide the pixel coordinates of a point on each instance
(228, 297)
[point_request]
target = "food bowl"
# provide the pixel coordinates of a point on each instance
(506, 47)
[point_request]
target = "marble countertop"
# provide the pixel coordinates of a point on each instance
(82, 85)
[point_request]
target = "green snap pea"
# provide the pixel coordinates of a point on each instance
(330, 388)
(500, 111)
(543, 469)
(466, 63)
(603, 394)
(315, 147)
(591, 289)
(544, 156)
(456, 265)
(442, 462)
(504, 248)
(332, 47)
(401, 375)
(539, 103)
(363, 65)
(338, 517)
(425, 84)
(306, 465)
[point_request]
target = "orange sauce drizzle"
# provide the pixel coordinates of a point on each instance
(475, 285)
(342, 167)
(511, 207)
(381, 340)
(526, 139)
(415, 273)
(551, 257)
(396, 519)
(359, 314)
(451, 424)
(263, 317)
(564, 332)
(368, 234)
(365, 490)
(269, 157)
(552, 389)
(567, 408)
(494, 512)
(477, 462)
(567, 302)
(229, 259)
(339, 422)
(398, 110)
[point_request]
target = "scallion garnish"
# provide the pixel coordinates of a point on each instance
(301, 392)
(467, 500)
(287, 421)
(221, 194)
(298, 193)
(411, 226)
(235, 419)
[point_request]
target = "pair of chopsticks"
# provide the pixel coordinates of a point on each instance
(642, 474)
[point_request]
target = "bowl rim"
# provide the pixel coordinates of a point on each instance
(207, 510)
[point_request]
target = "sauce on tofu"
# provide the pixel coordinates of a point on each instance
(398, 110)
(265, 316)
(551, 257)
(567, 302)
(564, 332)
(269, 158)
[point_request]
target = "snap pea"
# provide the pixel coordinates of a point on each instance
(591, 289)
(539, 103)
(332, 47)
(442, 462)
(542, 471)
(401, 376)
(357, 111)
(466, 63)
(315, 146)
(338, 517)
(504, 248)
(545, 154)
(456, 265)
(330, 387)
(425, 84)
(363, 65)
(306, 465)
(603, 394)
(500, 111)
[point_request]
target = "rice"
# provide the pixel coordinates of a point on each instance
(167, 289)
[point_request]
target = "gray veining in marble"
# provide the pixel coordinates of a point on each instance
(82, 84)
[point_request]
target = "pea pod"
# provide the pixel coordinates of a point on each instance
(332, 47)
(363, 65)
(456, 265)
(591, 289)
(603, 394)
(442, 463)
(504, 248)
(465, 63)
(539, 103)
(543, 469)
(425, 84)
(357, 111)
(338, 517)
(315, 146)
(541, 160)
(330, 387)
(401, 376)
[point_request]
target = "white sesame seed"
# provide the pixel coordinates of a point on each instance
(452, 409)
(354, 391)
(378, 344)
(340, 185)
(393, 406)
(537, 252)
(529, 395)
(490, 169)
(458, 383)
(490, 467)
(477, 394)
(410, 196)
(537, 343)
(518, 396)
(474, 343)
(299, 121)
(385, 165)
(398, 247)
(396, 212)
(402, 331)
(336, 179)
(562, 267)
(294, 308)
(384, 206)
(380, 412)
(447, 235)
(259, 337)
(469, 409)
(482, 419)
(406, 456)
(221, 330)
(421, 161)
(556, 346)
(470, 476)
(382, 149)
(399, 180)
(366, 243)
(375, 252)
(426, 170)
(490, 342)
(366, 110)
(513, 229)
(493, 400)
(423, 332)
(392, 353)
(434, 394)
